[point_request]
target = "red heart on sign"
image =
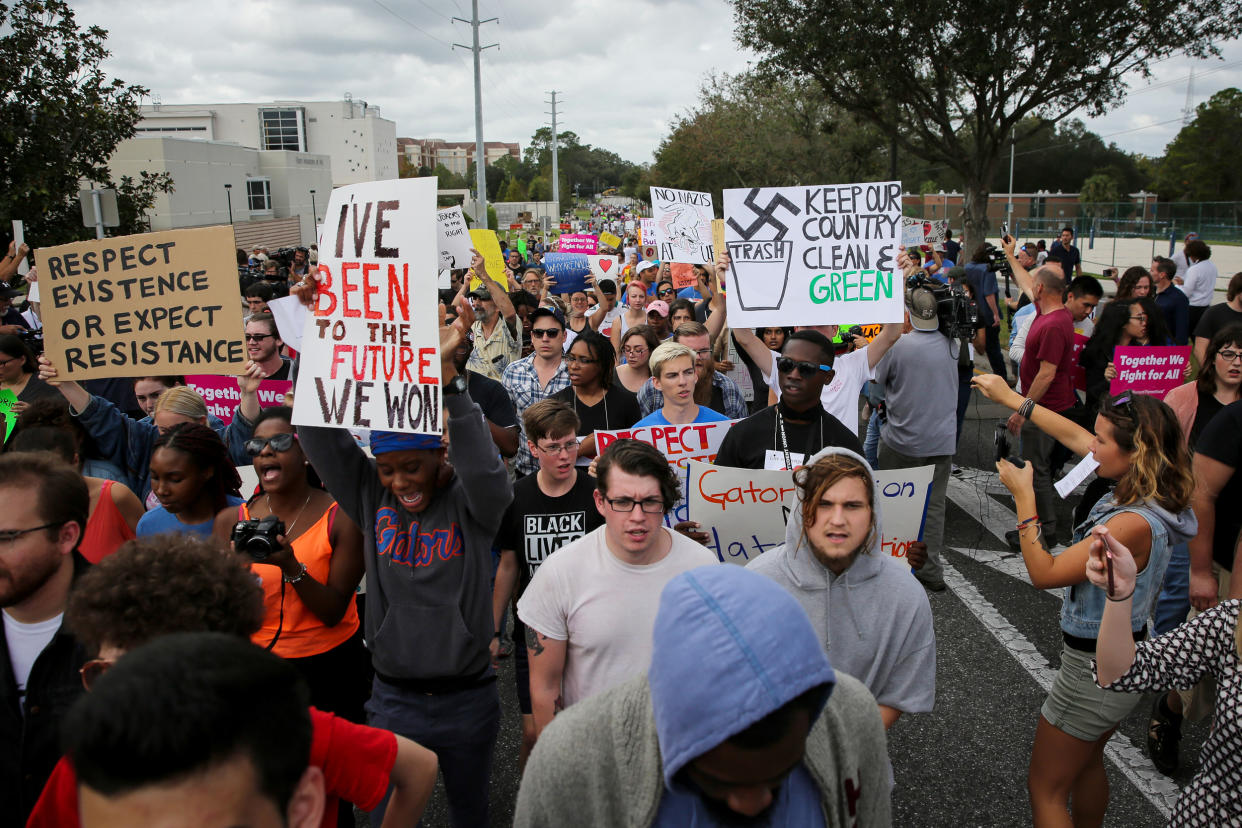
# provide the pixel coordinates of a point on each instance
(604, 264)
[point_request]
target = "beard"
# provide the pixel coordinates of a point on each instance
(14, 589)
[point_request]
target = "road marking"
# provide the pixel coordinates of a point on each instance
(1157, 788)
(1006, 563)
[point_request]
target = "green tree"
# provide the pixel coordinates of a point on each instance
(515, 190)
(494, 176)
(447, 180)
(61, 118)
(950, 91)
(406, 168)
(1202, 162)
(1099, 195)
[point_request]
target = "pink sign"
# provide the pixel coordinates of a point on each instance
(579, 243)
(222, 396)
(1151, 370)
(1080, 373)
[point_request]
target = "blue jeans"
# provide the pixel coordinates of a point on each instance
(871, 445)
(460, 728)
(1173, 603)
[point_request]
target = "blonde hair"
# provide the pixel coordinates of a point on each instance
(667, 352)
(182, 400)
(1160, 464)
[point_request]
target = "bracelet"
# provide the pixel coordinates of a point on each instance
(1039, 530)
(1030, 520)
(1118, 600)
(297, 577)
(496, 635)
(1024, 410)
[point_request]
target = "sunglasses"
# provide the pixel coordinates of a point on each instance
(665, 292)
(278, 442)
(787, 366)
(545, 333)
(257, 337)
(92, 670)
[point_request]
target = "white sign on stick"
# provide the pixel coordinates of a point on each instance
(916, 232)
(683, 225)
(454, 237)
(744, 511)
(371, 346)
(814, 255)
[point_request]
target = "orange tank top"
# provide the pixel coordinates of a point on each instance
(302, 634)
(106, 528)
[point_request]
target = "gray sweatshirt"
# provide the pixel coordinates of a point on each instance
(429, 600)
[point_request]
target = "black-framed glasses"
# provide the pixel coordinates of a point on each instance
(1141, 317)
(1230, 356)
(4, 363)
(10, 535)
(786, 366)
(651, 505)
(257, 337)
(545, 333)
(278, 442)
(580, 360)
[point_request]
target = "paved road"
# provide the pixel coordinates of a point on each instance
(998, 646)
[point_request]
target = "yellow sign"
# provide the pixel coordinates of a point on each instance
(488, 245)
(609, 240)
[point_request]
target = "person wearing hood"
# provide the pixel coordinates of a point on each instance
(871, 616)
(761, 732)
(782, 436)
(1138, 442)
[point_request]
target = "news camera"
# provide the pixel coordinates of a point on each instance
(957, 315)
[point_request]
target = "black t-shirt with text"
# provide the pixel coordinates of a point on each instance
(535, 525)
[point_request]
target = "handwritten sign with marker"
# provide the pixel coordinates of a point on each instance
(454, 236)
(1152, 370)
(153, 303)
(371, 346)
(814, 255)
(568, 269)
(683, 220)
(916, 232)
(7, 400)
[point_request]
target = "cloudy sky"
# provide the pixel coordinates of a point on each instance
(623, 69)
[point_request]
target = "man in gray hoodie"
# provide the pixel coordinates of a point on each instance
(760, 729)
(870, 614)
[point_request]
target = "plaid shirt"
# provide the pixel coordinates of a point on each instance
(734, 403)
(491, 355)
(522, 383)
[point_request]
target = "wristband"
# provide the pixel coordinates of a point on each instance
(1118, 600)
(1024, 410)
(298, 577)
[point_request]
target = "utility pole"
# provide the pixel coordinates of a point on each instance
(556, 142)
(1188, 111)
(1013, 134)
(480, 154)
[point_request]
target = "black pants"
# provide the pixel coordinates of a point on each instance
(993, 349)
(339, 679)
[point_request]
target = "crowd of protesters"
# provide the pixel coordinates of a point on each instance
(329, 636)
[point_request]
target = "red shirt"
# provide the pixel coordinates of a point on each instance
(356, 761)
(1051, 339)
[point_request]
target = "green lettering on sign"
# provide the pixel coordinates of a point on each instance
(851, 286)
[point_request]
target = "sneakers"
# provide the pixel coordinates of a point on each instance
(1163, 734)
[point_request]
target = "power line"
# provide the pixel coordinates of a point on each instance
(412, 25)
(433, 9)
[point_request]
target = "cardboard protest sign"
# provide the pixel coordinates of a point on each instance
(683, 275)
(678, 443)
(609, 240)
(579, 243)
(814, 255)
(454, 236)
(1153, 370)
(647, 232)
(488, 245)
(568, 269)
(916, 232)
(683, 220)
(371, 347)
(153, 303)
(604, 267)
(718, 236)
(222, 395)
(744, 511)
(7, 400)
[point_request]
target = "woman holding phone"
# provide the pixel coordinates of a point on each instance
(1137, 442)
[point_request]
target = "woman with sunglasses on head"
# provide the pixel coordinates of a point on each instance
(1137, 442)
(601, 405)
(310, 574)
(192, 478)
(636, 346)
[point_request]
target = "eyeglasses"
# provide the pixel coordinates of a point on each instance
(545, 333)
(1230, 356)
(10, 535)
(1142, 317)
(651, 506)
(787, 366)
(703, 353)
(635, 351)
(257, 337)
(4, 362)
(567, 447)
(93, 669)
(579, 360)
(278, 442)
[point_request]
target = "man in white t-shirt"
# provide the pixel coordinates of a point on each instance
(46, 504)
(590, 609)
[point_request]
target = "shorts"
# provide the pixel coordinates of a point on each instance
(1078, 706)
(521, 666)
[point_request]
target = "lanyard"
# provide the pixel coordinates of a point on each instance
(784, 442)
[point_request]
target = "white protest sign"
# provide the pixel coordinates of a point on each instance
(647, 233)
(454, 238)
(814, 255)
(371, 346)
(744, 511)
(290, 315)
(916, 232)
(683, 221)
(604, 267)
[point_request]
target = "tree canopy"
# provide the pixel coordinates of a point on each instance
(1202, 162)
(950, 79)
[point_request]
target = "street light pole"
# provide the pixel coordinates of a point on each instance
(314, 212)
(228, 191)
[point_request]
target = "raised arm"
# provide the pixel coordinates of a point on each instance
(499, 295)
(1066, 432)
(1020, 274)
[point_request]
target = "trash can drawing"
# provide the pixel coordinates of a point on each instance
(760, 271)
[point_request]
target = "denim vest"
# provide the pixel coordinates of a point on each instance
(1083, 606)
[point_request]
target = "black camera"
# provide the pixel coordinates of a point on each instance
(1003, 447)
(257, 538)
(33, 339)
(958, 316)
(997, 262)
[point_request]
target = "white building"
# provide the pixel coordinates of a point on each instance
(361, 145)
(268, 194)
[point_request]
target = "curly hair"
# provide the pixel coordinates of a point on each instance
(814, 480)
(1112, 322)
(1229, 335)
(161, 584)
(1129, 281)
(1159, 466)
(207, 451)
